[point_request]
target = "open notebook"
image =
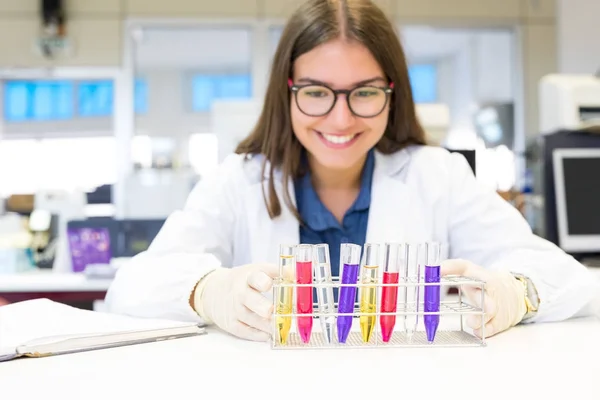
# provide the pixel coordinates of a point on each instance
(41, 327)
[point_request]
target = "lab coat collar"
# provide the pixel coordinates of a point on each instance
(390, 200)
(388, 214)
(387, 164)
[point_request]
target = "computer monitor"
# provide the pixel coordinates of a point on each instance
(577, 199)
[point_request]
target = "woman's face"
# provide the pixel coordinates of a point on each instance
(339, 139)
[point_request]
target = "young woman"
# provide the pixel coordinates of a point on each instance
(339, 156)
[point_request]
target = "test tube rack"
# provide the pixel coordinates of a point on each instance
(456, 308)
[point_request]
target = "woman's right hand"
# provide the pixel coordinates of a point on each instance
(231, 298)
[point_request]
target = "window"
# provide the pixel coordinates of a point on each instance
(53, 100)
(38, 100)
(423, 81)
(57, 164)
(207, 88)
(95, 99)
(140, 96)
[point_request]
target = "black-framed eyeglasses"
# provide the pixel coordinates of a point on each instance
(317, 100)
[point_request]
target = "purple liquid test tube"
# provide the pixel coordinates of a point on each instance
(349, 267)
(432, 292)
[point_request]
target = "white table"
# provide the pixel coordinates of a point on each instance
(64, 287)
(544, 361)
(48, 281)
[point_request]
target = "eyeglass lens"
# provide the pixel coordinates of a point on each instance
(366, 101)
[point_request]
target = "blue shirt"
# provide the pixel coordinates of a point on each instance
(321, 226)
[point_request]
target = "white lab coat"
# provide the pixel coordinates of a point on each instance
(418, 194)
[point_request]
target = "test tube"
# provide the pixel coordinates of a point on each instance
(324, 290)
(349, 266)
(304, 294)
(392, 264)
(285, 293)
(412, 275)
(432, 292)
(368, 294)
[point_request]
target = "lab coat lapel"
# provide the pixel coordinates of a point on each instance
(390, 201)
(270, 234)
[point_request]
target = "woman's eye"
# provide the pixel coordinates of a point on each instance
(366, 93)
(315, 93)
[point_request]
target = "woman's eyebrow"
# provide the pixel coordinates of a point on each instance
(318, 82)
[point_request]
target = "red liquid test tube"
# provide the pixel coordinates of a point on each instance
(394, 256)
(304, 294)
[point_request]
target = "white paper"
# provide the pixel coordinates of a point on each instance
(37, 320)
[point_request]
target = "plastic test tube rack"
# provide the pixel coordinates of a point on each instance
(453, 312)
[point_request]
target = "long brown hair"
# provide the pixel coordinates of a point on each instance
(316, 22)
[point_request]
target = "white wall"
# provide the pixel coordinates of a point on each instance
(169, 112)
(475, 66)
(578, 26)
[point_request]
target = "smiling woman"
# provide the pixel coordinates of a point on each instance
(320, 114)
(338, 130)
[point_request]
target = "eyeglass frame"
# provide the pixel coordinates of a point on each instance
(296, 88)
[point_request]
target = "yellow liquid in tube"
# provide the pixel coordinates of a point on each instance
(368, 302)
(285, 297)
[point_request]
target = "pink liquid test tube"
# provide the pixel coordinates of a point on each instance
(304, 294)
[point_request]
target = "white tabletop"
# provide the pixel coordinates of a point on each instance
(49, 281)
(543, 361)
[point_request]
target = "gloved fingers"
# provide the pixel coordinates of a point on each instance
(251, 319)
(260, 280)
(244, 331)
(489, 309)
(489, 329)
(473, 295)
(474, 321)
(257, 303)
(463, 268)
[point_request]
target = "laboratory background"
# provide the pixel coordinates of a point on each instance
(111, 111)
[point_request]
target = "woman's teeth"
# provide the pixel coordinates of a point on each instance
(338, 139)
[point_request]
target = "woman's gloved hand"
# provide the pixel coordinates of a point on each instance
(231, 298)
(504, 298)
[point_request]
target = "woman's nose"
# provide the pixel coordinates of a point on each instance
(341, 115)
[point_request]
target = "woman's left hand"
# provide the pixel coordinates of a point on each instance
(504, 297)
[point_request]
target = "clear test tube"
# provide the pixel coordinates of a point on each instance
(412, 274)
(349, 269)
(304, 293)
(368, 293)
(392, 265)
(431, 301)
(285, 292)
(324, 289)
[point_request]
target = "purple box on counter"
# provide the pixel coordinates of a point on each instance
(89, 246)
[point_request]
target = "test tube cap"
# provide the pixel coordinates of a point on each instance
(433, 253)
(371, 254)
(304, 253)
(394, 257)
(350, 253)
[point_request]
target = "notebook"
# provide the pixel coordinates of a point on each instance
(41, 327)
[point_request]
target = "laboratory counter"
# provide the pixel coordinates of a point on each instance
(62, 287)
(536, 361)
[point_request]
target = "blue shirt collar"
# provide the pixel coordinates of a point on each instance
(312, 210)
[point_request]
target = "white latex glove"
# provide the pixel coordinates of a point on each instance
(232, 299)
(504, 298)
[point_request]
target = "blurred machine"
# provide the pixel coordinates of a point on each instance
(569, 161)
(577, 188)
(435, 120)
(156, 193)
(495, 124)
(569, 102)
